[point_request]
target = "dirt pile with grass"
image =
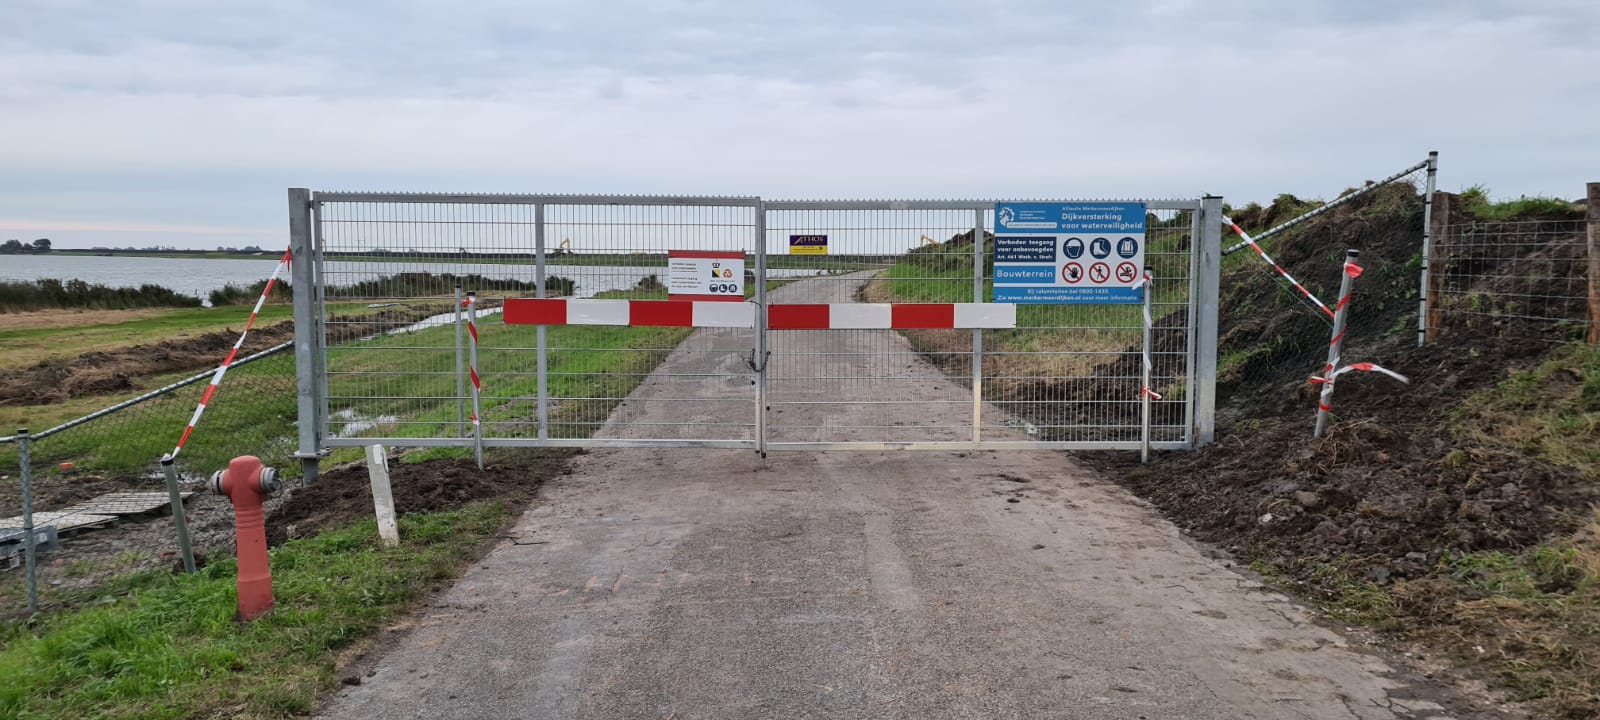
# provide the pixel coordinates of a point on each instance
(1485, 459)
(121, 370)
(344, 495)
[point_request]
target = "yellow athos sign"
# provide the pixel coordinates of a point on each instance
(808, 244)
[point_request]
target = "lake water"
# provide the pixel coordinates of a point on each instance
(199, 277)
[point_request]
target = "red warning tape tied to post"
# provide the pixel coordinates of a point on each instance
(1149, 324)
(216, 379)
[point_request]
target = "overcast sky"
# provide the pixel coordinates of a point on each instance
(181, 122)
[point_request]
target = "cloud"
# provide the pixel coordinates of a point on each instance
(1247, 98)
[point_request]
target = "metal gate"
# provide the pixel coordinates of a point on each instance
(419, 332)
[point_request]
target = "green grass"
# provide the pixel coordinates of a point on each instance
(168, 646)
(1477, 202)
(1552, 410)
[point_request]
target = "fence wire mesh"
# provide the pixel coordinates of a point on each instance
(405, 373)
(1533, 273)
(97, 482)
(1066, 373)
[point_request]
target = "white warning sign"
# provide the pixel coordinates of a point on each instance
(705, 275)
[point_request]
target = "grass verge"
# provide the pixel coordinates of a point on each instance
(168, 646)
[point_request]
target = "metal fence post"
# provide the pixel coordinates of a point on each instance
(1594, 263)
(477, 378)
(176, 497)
(1423, 326)
(1341, 314)
(1437, 261)
(30, 553)
(543, 357)
(307, 343)
(977, 334)
(1145, 368)
(1208, 286)
(759, 364)
(461, 374)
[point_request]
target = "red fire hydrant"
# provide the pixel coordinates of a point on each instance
(246, 483)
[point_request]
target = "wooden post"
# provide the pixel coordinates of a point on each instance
(1594, 263)
(1436, 261)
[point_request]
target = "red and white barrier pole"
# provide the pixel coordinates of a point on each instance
(233, 354)
(471, 304)
(1336, 345)
(1285, 273)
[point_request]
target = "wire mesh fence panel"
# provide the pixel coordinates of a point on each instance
(409, 374)
(1066, 373)
(1532, 274)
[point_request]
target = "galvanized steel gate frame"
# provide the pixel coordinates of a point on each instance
(311, 314)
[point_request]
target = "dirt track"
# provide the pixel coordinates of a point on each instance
(710, 584)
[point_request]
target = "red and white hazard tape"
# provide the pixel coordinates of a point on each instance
(470, 303)
(839, 316)
(216, 379)
(1275, 266)
(1360, 367)
(1149, 324)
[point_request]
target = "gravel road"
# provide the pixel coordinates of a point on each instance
(680, 583)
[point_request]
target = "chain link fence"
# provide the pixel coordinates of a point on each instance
(99, 500)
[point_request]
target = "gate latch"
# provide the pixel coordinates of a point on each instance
(750, 362)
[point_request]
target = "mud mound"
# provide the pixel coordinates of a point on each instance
(1390, 488)
(344, 495)
(114, 371)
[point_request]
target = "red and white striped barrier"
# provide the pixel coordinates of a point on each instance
(1275, 266)
(211, 389)
(835, 316)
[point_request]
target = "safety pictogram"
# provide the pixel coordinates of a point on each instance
(1072, 272)
(1126, 272)
(1099, 273)
(1100, 248)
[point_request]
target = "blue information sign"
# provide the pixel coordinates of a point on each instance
(1089, 252)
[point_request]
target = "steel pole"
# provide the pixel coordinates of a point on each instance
(1341, 314)
(977, 334)
(176, 498)
(1144, 377)
(759, 364)
(307, 344)
(30, 553)
(543, 356)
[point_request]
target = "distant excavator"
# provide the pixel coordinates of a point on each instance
(926, 241)
(564, 248)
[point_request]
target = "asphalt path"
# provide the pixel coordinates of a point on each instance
(686, 583)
